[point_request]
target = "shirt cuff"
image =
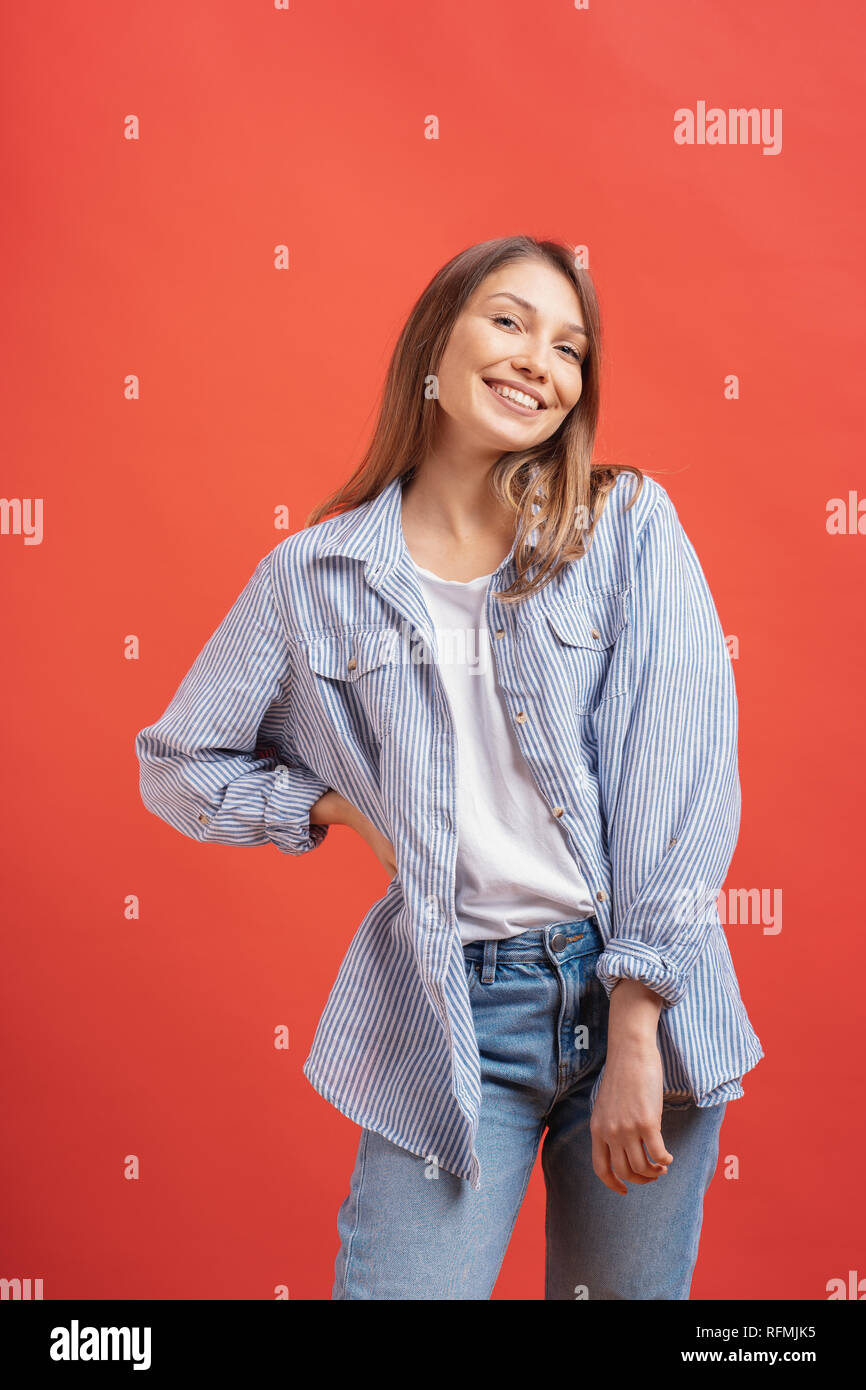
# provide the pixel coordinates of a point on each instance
(634, 960)
(287, 811)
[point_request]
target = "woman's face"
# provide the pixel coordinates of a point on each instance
(521, 329)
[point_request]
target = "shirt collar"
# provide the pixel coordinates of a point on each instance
(373, 533)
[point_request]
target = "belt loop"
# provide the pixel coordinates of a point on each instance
(488, 967)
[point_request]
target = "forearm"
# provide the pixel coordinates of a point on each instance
(334, 809)
(634, 1014)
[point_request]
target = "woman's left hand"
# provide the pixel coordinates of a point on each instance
(628, 1108)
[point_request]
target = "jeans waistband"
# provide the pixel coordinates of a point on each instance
(560, 941)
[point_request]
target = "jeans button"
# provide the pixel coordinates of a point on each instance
(558, 941)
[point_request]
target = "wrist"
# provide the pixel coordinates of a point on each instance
(634, 1041)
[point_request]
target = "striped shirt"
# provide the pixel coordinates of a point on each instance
(324, 674)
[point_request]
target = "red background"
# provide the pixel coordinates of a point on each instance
(154, 1036)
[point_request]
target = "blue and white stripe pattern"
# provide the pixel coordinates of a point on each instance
(323, 674)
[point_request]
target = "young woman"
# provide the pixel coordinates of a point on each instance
(503, 667)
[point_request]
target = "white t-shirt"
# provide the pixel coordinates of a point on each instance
(514, 868)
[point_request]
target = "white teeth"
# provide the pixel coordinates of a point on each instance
(529, 401)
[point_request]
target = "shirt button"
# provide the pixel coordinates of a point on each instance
(558, 810)
(205, 820)
(601, 895)
(500, 632)
(352, 663)
(521, 717)
(595, 632)
(672, 842)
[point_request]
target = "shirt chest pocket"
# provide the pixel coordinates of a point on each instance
(353, 677)
(585, 639)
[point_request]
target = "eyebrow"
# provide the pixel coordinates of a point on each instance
(525, 304)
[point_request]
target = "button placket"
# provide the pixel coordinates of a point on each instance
(522, 717)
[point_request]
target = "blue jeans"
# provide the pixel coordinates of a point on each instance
(407, 1233)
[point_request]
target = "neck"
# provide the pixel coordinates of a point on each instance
(455, 504)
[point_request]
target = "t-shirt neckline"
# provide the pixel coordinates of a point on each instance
(461, 583)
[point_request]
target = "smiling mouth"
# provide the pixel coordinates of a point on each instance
(514, 399)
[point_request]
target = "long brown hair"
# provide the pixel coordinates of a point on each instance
(554, 488)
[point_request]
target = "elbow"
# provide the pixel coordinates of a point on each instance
(166, 791)
(150, 781)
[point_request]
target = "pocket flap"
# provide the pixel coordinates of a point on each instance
(596, 625)
(349, 654)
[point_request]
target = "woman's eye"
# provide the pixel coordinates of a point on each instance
(506, 318)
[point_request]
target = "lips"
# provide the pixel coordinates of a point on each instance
(490, 382)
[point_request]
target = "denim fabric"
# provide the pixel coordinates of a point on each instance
(411, 1230)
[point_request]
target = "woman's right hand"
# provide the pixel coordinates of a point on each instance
(334, 809)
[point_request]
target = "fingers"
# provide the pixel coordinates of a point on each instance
(621, 1161)
(601, 1166)
(639, 1164)
(631, 1168)
(655, 1147)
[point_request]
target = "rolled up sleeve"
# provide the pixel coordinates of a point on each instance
(210, 766)
(673, 827)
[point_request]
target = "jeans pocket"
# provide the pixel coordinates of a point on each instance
(473, 971)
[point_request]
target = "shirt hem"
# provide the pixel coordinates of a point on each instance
(710, 1098)
(328, 1093)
